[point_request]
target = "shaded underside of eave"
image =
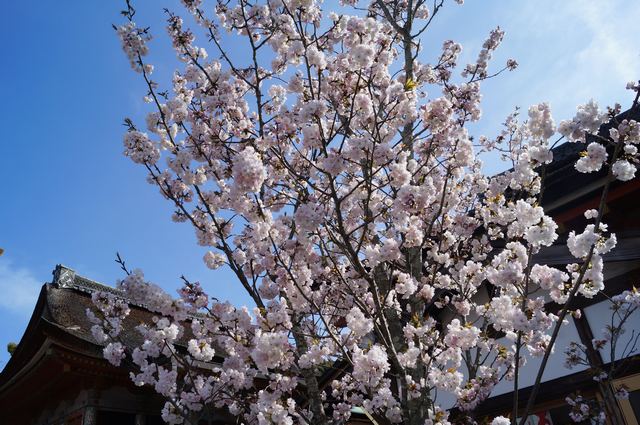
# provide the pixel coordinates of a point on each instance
(59, 375)
(30, 342)
(45, 328)
(53, 339)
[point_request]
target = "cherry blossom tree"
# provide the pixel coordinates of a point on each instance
(333, 172)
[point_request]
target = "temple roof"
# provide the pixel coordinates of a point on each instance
(58, 359)
(60, 318)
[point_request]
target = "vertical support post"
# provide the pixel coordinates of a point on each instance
(90, 416)
(612, 409)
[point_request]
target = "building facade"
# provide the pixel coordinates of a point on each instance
(567, 195)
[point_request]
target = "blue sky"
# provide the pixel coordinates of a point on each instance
(69, 196)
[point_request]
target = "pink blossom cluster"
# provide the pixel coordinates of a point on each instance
(134, 43)
(584, 410)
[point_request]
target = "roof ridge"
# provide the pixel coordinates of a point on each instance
(66, 277)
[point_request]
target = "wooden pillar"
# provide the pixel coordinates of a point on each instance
(90, 416)
(612, 409)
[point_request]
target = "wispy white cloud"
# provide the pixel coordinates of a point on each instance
(613, 49)
(609, 53)
(19, 288)
(569, 51)
(582, 49)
